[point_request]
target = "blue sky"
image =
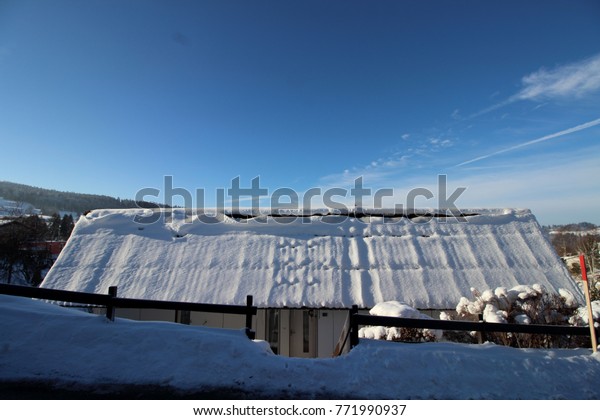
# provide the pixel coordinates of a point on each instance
(503, 97)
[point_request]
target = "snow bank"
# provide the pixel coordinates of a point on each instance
(396, 309)
(44, 342)
(399, 310)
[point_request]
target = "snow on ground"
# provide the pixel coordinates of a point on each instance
(43, 342)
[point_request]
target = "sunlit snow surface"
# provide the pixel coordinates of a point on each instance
(43, 342)
(318, 261)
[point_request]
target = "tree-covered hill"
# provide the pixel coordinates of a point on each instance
(53, 201)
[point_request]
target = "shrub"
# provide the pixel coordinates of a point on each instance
(595, 288)
(521, 305)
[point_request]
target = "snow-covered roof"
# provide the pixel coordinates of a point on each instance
(314, 261)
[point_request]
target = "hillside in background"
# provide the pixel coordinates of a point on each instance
(53, 201)
(579, 228)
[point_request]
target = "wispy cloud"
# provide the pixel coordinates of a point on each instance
(538, 140)
(374, 173)
(420, 153)
(573, 80)
(440, 142)
(493, 107)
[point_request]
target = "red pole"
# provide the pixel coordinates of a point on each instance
(586, 290)
(583, 269)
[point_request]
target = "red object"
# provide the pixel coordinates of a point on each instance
(54, 247)
(582, 264)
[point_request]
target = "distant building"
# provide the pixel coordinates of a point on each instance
(54, 248)
(17, 208)
(304, 272)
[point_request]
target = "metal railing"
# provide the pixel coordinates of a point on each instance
(112, 301)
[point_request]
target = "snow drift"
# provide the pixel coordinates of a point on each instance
(43, 342)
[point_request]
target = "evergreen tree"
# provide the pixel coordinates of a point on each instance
(54, 227)
(66, 226)
(22, 249)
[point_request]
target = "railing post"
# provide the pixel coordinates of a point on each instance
(481, 335)
(353, 327)
(110, 309)
(249, 302)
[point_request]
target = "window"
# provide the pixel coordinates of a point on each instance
(306, 331)
(273, 329)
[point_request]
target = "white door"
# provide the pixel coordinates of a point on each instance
(273, 329)
(303, 333)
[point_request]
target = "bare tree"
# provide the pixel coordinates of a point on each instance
(588, 246)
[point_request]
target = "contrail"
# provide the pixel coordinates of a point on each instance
(541, 139)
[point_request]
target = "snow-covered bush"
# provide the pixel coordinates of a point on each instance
(520, 305)
(580, 318)
(400, 310)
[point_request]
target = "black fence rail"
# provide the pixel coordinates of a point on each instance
(112, 301)
(356, 320)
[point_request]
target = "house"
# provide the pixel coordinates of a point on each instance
(303, 271)
(53, 248)
(11, 208)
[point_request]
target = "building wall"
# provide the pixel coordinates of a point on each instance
(324, 333)
(325, 326)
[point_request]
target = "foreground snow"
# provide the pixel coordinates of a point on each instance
(43, 342)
